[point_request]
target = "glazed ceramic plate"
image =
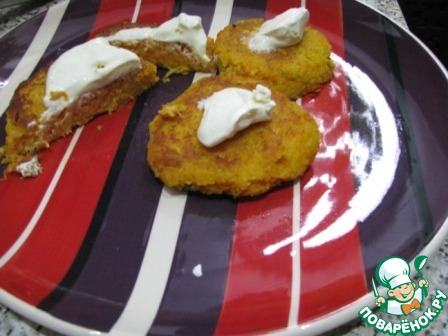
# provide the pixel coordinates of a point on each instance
(96, 244)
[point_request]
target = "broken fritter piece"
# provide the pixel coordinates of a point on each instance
(86, 81)
(179, 44)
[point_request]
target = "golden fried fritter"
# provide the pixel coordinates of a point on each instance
(253, 161)
(177, 57)
(26, 134)
(294, 70)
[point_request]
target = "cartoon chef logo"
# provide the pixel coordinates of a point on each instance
(404, 296)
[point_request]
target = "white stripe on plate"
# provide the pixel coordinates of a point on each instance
(221, 17)
(295, 246)
(33, 54)
(136, 11)
(294, 241)
(144, 302)
(295, 257)
(43, 203)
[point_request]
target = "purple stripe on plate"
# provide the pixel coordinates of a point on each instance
(74, 28)
(424, 98)
(395, 227)
(194, 294)
(247, 9)
(382, 232)
(14, 46)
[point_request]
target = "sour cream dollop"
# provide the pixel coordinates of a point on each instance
(184, 28)
(86, 67)
(284, 30)
(231, 110)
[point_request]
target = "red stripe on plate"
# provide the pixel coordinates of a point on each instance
(258, 292)
(258, 287)
(326, 16)
(19, 199)
(48, 253)
(111, 12)
(54, 243)
(273, 7)
(332, 270)
(155, 11)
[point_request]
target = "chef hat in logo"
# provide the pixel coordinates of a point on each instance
(393, 272)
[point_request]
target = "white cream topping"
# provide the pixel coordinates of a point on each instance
(284, 30)
(181, 29)
(30, 168)
(86, 67)
(231, 110)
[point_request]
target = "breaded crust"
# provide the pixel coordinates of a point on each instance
(294, 70)
(26, 134)
(252, 162)
(177, 57)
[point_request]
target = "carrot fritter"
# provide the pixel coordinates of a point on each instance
(175, 56)
(252, 162)
(294, 70)
(26, 134)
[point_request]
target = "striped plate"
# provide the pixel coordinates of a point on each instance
(97, 245)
